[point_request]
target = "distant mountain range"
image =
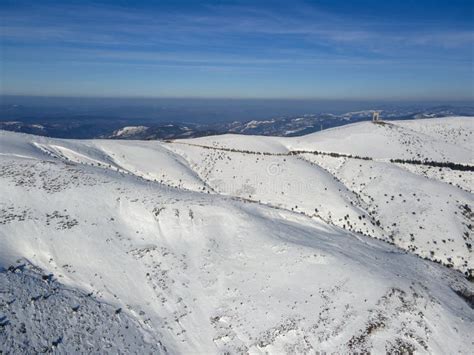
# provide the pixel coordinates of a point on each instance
(279, 126)
(285, 126)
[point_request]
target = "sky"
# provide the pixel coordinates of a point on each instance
(328, 49)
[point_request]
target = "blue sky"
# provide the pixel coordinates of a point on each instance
(326, 49)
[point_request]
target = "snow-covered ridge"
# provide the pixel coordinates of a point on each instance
(236, 244)
(128, 131)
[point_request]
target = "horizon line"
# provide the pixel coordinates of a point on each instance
(237, 98)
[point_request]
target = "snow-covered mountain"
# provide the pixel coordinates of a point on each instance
(129, 131)
(353, 239)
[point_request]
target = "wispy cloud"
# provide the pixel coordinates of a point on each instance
(228, 39)
(112, 25)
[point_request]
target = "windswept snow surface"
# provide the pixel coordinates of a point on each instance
(238, 244)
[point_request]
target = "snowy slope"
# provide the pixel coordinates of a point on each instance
(287, 182)
(150, 160)
(233, 252)
(454, 130)
(406, 204)
(240, 142)
(423, 215)
(416, 139)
